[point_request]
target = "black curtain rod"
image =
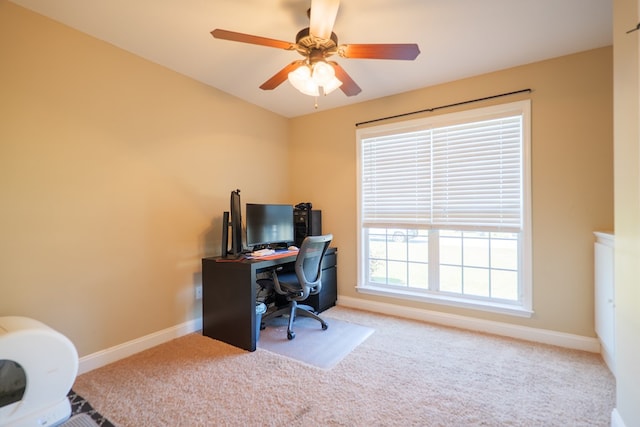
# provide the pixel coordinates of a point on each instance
(428, 110)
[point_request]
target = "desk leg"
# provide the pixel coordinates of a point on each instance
(228, 303)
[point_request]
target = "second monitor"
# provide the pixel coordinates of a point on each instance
(269, 226)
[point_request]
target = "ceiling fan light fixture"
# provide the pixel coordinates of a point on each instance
(309, 79)
(300, 78)
(322, 73)
(331, 85)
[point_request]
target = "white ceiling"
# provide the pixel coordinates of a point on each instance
(457, 39)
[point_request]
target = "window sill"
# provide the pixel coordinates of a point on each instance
(512, 310)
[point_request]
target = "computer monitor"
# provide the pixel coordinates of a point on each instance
(269, 226)
(235, 224)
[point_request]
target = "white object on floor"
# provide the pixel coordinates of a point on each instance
(38, 366)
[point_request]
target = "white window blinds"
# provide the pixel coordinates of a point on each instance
(396, 180)
(461, 177)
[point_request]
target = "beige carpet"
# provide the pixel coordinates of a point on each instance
(407, 373)
(312, 345)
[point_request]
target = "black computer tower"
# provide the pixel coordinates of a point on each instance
(307, 222)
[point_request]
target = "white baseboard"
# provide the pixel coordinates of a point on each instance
(616, 419)
(608, 358)
(120, 351)
(113, 354)
(561, 339)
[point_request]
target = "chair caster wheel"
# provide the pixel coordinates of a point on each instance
(290, 335)
(324, 326)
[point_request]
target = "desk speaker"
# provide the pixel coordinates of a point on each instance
(307, 222)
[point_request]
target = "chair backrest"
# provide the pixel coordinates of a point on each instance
(308, 265)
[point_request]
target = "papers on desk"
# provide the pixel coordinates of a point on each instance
(270, 255)
(273, 254)
(262, 252)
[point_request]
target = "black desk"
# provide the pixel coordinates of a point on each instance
(229, 295)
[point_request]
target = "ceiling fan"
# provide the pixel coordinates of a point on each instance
(314, 74)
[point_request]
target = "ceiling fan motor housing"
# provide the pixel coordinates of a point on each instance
(315, 48)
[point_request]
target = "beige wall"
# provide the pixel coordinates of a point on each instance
(114, 173)
(572, 170)
(627, 208)
(113, 176)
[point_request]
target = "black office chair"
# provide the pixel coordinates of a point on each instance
(297, 285)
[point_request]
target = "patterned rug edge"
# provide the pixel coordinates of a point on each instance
(80, 405)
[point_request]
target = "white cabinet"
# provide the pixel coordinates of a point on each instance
(604, 296)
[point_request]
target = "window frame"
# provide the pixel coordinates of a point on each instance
(524, 307)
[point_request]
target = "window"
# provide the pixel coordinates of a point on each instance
(444, 208)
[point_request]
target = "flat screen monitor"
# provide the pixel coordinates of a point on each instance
(269, 225)
(236, 223)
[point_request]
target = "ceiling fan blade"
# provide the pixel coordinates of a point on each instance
(349, 87)
(408, 51)
(323, 16)
(248, 38)
(280, 76)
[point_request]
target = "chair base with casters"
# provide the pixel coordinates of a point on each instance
(296, 286)
(293, 310)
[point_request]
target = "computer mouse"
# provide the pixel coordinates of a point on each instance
(293, 248)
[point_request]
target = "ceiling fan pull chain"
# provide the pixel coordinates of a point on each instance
(315, 104)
